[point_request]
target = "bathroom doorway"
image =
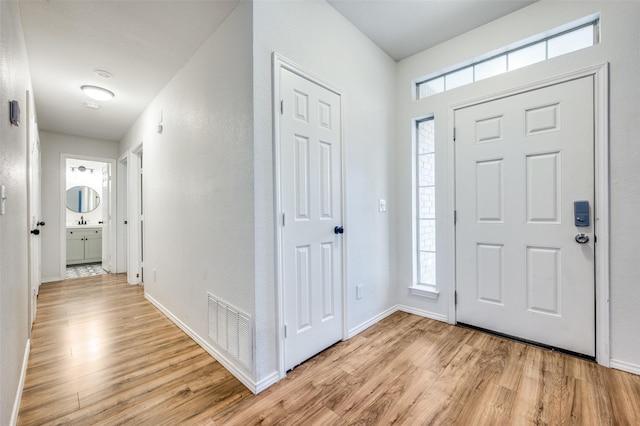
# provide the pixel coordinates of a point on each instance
(88, 235)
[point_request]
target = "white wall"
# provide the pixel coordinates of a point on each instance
(198, 180)
(53, 145)
(14, 316)
(211, 168)
(318, 38)
(619, 40)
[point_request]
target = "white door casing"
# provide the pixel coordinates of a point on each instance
(134, 215)
(521, 162)
(122, 241)
(310, 187)
(109, 233)
(106, 217)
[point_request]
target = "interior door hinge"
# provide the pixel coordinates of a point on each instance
(454, 134)
(455, 297)
(281, 106)
(283, 220)
(455, 216)
(285, 331)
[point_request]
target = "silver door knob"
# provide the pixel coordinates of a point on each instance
(582, 238)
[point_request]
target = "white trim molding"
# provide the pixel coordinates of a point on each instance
(63, 210)
(600, 74)
(279, 63)
(430, 292)
(372, 321)
(392, 310)
(23, 375)
(271, 379)
(239, 374)
(135, 242)
(625, 366)
(422, 313)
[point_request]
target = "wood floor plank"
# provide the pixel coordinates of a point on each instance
(103, 355)
(624, 391)
(583, 403)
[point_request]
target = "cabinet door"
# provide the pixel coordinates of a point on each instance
(93, 246)
(75, 247)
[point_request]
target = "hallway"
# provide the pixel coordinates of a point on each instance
(100, 353)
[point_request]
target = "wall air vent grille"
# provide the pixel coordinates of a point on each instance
(231, 330)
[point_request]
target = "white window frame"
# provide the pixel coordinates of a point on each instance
(428, 290)
(507, 51)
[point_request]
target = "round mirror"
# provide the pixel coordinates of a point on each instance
(82, 199)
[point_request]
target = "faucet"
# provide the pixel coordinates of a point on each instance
(82, 221)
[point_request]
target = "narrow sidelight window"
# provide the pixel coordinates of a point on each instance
(426, 202)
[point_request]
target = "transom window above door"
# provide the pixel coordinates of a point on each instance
(560, 41)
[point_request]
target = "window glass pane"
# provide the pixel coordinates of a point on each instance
(547, 47)
(527, 56)
(427, 268)
(426, 223)
(570, 42)
(459, 78)
(426, 137)
(427, 202)
(431, 87)
(428, 235)
(491, 67)
(426, 169)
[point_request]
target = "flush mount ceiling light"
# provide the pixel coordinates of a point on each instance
(97, 93)
(103, 73)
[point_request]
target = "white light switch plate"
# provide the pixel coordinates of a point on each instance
(382, 205)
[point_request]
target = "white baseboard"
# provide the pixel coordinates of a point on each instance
(51, 280)
(23, 375)
(219, 356)
(395, 308)
(360, 328)
(423, 313)
(625, 366)
(267, 381)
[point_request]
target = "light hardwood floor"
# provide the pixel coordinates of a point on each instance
(102, 355)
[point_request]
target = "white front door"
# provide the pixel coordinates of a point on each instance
(311, 202)
(106, 217)
(521, 163)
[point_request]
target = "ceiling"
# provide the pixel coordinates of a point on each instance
(405, 27)
(143, 43)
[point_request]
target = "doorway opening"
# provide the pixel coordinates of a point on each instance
(87, 233)
(309, 199)
(130, 222)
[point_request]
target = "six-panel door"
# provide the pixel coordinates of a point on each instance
(311, 185)
(521, 162)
